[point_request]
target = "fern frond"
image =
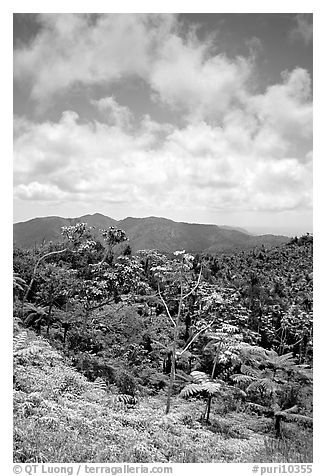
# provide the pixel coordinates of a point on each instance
(191, 390)
(259, 408)
(19, 341)
(246, 370)
(19, 283)
(240, 378)
(262, 384)
(180, 374)
(280, 361)
(212, 388)
(199, 377)
(100, 384)
(298, 418)
(125, 399)
(28, 351)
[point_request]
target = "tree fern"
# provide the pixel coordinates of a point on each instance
(199, 377)
(276, 361)
(265, 385)
(242, 379)
(203, 385)
(249, 371)
(211, 388)
(191, 390)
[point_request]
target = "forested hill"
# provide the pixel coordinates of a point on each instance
(148, 233)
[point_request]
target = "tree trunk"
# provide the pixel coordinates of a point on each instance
(278, 420)
(49, 319)
(209, 399)
(174, 347)
(65, 330)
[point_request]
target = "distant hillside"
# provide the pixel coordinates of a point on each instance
(148, 233)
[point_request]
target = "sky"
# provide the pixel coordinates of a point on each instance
(202, 118)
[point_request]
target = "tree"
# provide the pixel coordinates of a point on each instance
(202, 384)
(177, 278)
(264, 374)
(54, 284)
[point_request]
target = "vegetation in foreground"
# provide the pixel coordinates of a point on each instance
(156, 358)
(62, 417)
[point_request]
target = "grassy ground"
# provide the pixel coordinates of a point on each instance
(61, 417)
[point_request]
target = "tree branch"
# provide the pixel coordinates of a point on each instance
(196, 285)
(195, 337)
(36, 266)
(165, 305)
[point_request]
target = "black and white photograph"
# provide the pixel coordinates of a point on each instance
(162, 241)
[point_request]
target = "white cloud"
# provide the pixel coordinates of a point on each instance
(237, 151)
(76, 48)
(195, 167)
(185, 75)
(39, 192)
(303, 31)
(182, 71)
(287, 107)
(119, 115)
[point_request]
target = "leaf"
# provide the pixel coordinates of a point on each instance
(191, 390)
(240, 378)
(247, 370)
(211, 388)
(199, 377)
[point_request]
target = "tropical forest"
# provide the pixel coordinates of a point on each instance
(148, 356)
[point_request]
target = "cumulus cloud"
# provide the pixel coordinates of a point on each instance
(286, 109)
(39, 191)
(185, 76)
(74, 48)
(117, 114)
(182, 71)
(232, 150)
(303, 30)
(196, 166)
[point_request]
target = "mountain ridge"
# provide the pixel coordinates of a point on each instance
(152, 232)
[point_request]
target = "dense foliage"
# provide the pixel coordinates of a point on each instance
(230, 333)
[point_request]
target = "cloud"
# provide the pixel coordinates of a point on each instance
(119, 115)
(36, 191)
(232, 150)
(183, 72)
(242, 164)
(186, 76)
(303, 31)
(72, 48)
(286, 108)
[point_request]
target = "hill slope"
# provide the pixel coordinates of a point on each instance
(61, 417)
(148, 233)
